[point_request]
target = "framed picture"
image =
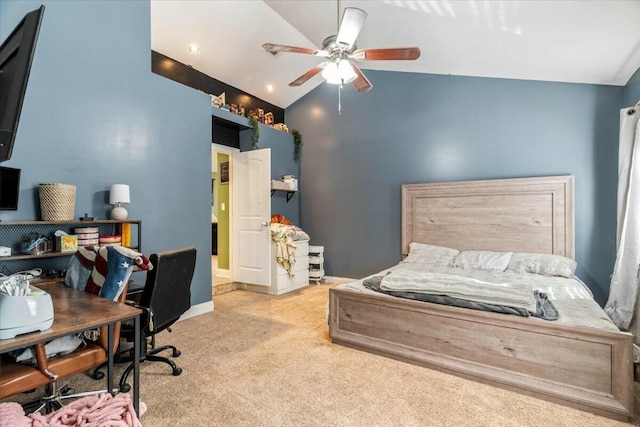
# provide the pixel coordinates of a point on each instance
(224, 173)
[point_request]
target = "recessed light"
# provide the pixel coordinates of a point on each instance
(269, 88)
(193, 48)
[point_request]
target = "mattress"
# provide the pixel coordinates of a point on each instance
(572, 298)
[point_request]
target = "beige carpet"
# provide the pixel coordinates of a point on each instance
(260, 360)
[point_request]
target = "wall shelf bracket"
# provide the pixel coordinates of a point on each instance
(289, 193)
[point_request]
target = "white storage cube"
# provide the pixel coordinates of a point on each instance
(316, 263)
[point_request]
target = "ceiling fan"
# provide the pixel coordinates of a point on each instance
(341, 51)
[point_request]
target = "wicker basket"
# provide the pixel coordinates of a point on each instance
(57, 201)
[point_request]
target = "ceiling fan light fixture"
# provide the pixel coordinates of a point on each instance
(330, 73)
(339, 73)
(346, 72)
(342, 54)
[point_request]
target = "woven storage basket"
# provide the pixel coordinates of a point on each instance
(57, 201)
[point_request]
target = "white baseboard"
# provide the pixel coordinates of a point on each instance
(197, 310)
(206, 307)
(223, 273)
(338, 280)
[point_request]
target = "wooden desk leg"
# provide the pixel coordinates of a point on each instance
(110, 358)
(136, 364)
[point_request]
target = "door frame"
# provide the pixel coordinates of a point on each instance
(219, 148)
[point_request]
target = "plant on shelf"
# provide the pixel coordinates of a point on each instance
(297, 144)
(255, 129)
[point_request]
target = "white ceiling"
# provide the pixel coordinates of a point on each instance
(592, 41)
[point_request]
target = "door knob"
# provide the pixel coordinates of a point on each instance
(265, 223)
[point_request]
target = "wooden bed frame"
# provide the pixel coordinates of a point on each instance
(585, 368)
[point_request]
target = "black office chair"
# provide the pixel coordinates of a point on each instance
(166, 297)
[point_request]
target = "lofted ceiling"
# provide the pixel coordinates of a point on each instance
(596, 42)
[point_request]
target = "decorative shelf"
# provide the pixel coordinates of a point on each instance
(46, 255)
(96, 221)
(13, 232)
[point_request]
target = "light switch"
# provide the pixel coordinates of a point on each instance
(223, 207)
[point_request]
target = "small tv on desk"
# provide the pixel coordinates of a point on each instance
(16, 56)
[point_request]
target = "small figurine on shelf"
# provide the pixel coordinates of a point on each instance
(218, 101)
(268, 119)
(233, 108)
(215, 101)
(281, 127)
(242, 110)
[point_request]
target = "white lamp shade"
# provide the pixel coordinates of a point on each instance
(119, 193)
(346, 72)
(338, 73)
(330, 73)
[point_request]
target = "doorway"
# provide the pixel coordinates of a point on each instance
(221, 205)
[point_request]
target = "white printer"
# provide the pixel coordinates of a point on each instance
(25, 313)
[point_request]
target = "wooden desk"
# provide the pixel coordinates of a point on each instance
(76, 311)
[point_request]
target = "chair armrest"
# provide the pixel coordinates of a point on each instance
(146, 309)
(42, 363)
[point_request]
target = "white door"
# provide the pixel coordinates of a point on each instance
(251, 216)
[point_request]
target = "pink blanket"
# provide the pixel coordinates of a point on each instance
(101, 410)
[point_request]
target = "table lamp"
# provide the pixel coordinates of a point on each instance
(119, 194)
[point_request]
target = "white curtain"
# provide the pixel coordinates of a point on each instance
(622, 306)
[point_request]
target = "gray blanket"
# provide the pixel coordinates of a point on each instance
(544, 307)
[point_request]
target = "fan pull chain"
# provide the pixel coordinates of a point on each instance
(338, 30)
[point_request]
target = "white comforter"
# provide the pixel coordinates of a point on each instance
(571, 297)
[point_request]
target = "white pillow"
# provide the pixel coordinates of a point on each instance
(543, 264)
(483, 260)
(420, 253)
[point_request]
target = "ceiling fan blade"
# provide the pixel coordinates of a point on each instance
(396, 54)
(306, 76)
(361, 83)
(275, 48)
(352, 22)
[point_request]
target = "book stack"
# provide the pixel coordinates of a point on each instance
(110, 240)
(87, 235)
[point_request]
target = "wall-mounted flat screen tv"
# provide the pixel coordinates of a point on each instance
(9, 188)
(16, 55)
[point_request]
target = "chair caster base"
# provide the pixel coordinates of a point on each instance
(176, 353)
(177, 371)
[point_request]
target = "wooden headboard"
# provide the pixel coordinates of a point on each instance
(508, 215)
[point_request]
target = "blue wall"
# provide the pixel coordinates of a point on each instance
(632, 90)
(414, 128)
(94, 115)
